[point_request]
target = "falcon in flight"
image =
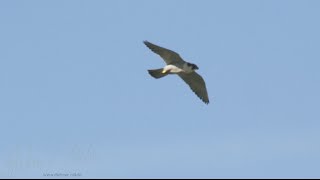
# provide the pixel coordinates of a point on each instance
(176, 65)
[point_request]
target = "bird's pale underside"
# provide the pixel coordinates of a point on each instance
(176, 65)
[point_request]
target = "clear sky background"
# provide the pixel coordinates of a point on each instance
(76, 98)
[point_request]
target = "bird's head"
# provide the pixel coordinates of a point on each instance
(193, 66)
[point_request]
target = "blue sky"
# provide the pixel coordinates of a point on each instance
(76, 97)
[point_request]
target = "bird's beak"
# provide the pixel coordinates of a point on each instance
(164, 71)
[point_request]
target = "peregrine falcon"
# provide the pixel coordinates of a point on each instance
(176, 65)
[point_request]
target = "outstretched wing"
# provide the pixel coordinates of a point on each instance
(170, 57)
(197, 85)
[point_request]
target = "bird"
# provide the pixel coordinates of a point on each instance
(176, 65)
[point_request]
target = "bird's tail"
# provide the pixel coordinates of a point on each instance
(157, 73)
